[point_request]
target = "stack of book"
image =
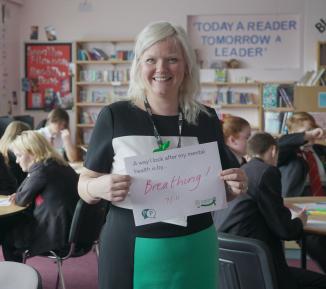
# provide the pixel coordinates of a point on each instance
(312, 77)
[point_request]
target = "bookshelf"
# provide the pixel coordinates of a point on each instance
(278, 106)
(101, 77)
(238, 98)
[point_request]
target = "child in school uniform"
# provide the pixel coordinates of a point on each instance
(261, 214)
(49, 191)
(14, 129)
(236, 131)
(293, 162)
(303, 175)
(8, 184)
(56, 131)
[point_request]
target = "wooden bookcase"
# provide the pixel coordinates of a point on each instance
(102, 77)
(242, 99)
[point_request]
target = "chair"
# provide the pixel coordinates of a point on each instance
(84, 233)
(15, 275)
(41, 124)
(245, 263)
(26, 119)
(4, 122)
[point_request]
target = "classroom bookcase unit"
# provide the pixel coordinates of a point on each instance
(236, 98)
(102, 77)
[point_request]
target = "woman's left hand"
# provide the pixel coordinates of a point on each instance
(236, 181)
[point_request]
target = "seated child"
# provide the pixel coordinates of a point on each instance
(57, 133)
(262, 215)
(297, 170)
(8, 184)
(49, 191)
(236, 132)
(13, 129)
(293, 162)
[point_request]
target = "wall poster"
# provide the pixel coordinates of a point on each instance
(48, 78)
(256, 41)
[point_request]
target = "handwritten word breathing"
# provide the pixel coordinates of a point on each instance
(152, 186)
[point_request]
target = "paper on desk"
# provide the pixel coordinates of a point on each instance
(5, 202)
(312, 206)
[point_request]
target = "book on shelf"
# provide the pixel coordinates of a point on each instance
(89, 117)
(220, 75)
(270, 95)
(275, 122)
(310, 81)
(94, 95)
(286, 98)
(98, 54)
(100, 96)
(126, 55)
(305, 78)
(87, 136)
(318, 77)
(277, 95)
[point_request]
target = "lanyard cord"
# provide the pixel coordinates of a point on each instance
(156, 134)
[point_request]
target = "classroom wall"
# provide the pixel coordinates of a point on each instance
(96, 19)
(9, 56)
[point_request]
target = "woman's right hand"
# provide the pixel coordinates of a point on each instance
(112, 187)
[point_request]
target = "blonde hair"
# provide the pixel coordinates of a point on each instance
(296, 121)
(37, 145)
(189, 90)
(14, 129)
(233, 125)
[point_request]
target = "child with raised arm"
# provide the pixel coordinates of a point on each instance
(302, 164)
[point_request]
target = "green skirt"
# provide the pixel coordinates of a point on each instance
(186, 262)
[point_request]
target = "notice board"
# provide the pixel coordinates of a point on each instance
(48, 79)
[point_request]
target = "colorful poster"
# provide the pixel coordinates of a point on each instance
(47, 69)
(256, 41)
(176, 183)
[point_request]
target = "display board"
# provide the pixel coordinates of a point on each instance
(48, 80)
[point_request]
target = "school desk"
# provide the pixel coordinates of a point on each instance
(9, 209)
(316, 221)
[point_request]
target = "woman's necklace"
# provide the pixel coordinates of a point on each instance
(162, 146)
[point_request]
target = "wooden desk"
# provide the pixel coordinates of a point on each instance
(310, 227)
(9, 210)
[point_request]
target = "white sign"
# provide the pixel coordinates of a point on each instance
(257, 41)
(176, 183)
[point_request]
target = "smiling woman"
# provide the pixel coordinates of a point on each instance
(162, 114)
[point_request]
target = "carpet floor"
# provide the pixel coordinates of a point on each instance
(79, 273)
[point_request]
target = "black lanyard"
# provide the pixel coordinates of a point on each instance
(163, 145)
